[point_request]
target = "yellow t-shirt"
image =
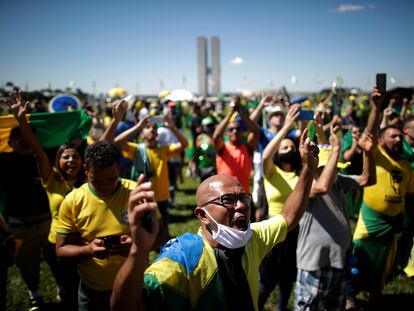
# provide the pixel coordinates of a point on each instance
(84, 213)
(394, 180)
(278, 185)
(56, 189)
(266, 234)
(158, 159)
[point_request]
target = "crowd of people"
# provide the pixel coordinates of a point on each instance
(284, 200)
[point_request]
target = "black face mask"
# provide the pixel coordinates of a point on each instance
(290, 157)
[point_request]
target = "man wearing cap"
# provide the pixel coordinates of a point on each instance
(324, 233)
(234, 157)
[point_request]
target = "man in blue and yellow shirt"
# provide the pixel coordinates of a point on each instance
(219, 267)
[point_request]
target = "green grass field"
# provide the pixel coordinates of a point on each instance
(398, 295)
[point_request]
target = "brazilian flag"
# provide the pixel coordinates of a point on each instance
(52, 128)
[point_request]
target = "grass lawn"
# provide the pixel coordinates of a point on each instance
(398, 294)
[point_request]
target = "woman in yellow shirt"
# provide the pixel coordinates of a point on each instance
(58, 179)
(281, 164)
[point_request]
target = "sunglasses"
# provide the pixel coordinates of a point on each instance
(229, 200)
(231, 129)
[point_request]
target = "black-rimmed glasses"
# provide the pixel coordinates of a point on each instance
(229, 200)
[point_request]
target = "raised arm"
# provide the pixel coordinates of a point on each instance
(182, 140)
(297, 201)
(254, 135)
(220, 128)
(19, 109)
(118, 112)
(127, 292)
(327, 177)
(369, 174)
(263, 103)
(350, 153)
(372, 126)
(273, 146)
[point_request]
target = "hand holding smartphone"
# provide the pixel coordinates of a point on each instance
(306, 115)
(381, 80)
(111, 240)
(147, 216)
(157, 120)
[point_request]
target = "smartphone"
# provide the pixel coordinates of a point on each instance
(382, 82)
(147, 217)
(130, 99)
(306, 115)
(157, 120)
(111, 240)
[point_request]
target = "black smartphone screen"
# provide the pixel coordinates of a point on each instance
(382, 82)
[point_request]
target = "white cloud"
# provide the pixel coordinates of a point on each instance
(237, 61)
(346, 8)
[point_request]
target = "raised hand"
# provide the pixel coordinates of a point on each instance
(366, 143)
(333, 139)
(235, 105)
(143, 122)
(17, 105)
(142, 200)
(168, 122)
(308, 151)
(267, 100)
(118, 109)
(318, 121)
(377, 98)
(336, 119)
(291, 117)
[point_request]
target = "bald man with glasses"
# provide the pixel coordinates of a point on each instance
(218, 268)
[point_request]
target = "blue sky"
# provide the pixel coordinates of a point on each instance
(144, 46)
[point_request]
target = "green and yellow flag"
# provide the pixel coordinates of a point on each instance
(52, 128)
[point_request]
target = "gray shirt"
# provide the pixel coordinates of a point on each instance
(324, 231)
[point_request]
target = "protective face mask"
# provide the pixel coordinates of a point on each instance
(229, 237)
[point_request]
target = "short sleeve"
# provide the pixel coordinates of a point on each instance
(270, 232)
(65, 223)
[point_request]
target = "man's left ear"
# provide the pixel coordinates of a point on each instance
(201, 215)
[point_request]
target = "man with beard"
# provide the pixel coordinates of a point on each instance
(381, 215)
(216, 269)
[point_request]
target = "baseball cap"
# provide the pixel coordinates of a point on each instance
(273, 110)
(325, 153)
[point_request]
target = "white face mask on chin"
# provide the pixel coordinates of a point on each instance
(229, 237)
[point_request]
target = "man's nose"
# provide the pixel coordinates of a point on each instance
(240, 206)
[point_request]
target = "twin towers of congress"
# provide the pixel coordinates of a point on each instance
(204, 71)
